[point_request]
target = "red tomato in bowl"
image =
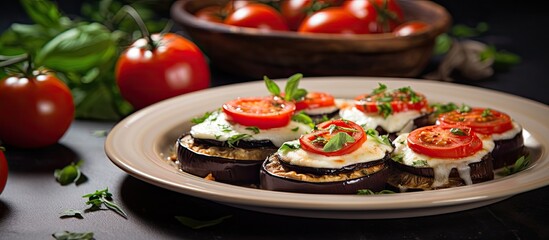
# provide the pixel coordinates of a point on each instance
(333, 20)
(256, 15)
(295, 11)
(3, 170)
(36, 111)
(174, 66)
(379, 15)
(410, 28)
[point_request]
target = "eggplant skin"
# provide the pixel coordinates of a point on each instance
(405, 178)
(222, 166)
(375, 181)
(506, 152)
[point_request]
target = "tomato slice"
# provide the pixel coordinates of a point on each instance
(261, 112)
(481, 120)
(388, 102)
(315, 100)
(316, 141)
(449, 141)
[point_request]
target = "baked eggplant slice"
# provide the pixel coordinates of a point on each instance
(225, 164)
(437, 156)
(338, 158)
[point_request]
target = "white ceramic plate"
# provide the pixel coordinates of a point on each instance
(141, 143)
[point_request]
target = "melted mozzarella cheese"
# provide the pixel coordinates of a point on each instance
(511, 133)
(371, 150)
(216, 127)
(441, 166)
(393, 123)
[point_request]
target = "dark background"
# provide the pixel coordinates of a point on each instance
(513, 27)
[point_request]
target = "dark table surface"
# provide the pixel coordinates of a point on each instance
(32, 200)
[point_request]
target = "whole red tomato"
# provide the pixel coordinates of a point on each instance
(256, 15)
(409, 28)
(36, 110)
(173, 66)
(333, 20)
(3, 170)
(295, 11)
(381, 16)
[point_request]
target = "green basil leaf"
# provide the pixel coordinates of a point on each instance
(271, 86)
(65, 235)
(197, 224)
(301, 117)
(337, 142)
(78, 49)
(68, 174)
(443, 43)
(71, 213)
(43, 12)
(95, 102)
(292, 86)
(289, 146)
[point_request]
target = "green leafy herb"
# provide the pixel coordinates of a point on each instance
(383, 139)
(100, 133)
(337, 142)
(289, 146)
(439, 108)
(272, 87)
(198, 120)
(464, 31)
(65, 235)
(71, 213)
(464, 108)
(398, 158)
(70, 174)
(225, 128)
(458, 131)
(381, 88)
(486, 113)
(319, 140)
(370, 192)
(198, 224)
(385, 109)
(503, 60)
(292, 92)
(103, 197)
(295, 129)
(255, 130)
(414, 98)
(420, 163)
(217, 136)
(521, 164)
(301, 117)
(234, 139)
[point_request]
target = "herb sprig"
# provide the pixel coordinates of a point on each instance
(292, 92)
(103, 197)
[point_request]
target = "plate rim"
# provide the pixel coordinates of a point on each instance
(257, 198)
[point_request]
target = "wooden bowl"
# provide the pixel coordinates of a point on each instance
(278, 54)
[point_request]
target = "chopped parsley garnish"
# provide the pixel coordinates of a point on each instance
(464, 108)
(385, 109)
(381, 88)
(289, 146)
(301, 117)
(521, 164)
(370, 192)
(458, 131)
(398, 158)
(383, 139)
(443, 108)
(486, 113)
(225, 128)
(255, 130)
(420, 163)
(103, 197)
(295, 129)
(198, 120)
(233, 140)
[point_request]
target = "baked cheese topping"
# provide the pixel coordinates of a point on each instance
(393, 123)
(371, 150)
(441, 166)
(216, 127)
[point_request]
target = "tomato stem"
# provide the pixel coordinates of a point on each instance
(127, 9)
